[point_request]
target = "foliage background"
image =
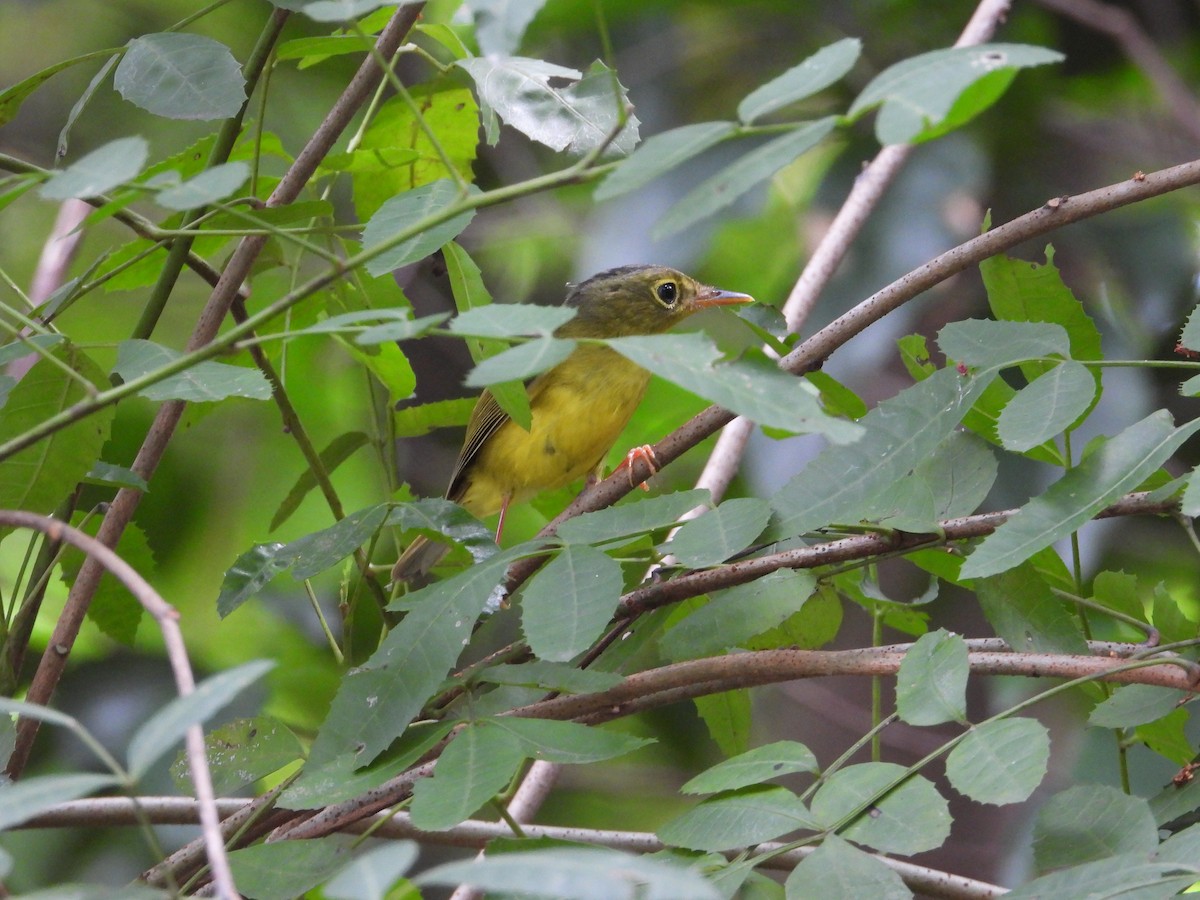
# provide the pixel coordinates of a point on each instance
(1058, 130)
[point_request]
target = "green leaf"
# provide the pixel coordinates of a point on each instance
(752, 386)
(249, 574)
(402, 214)
(208, 187)
(1190, 337)
(1166, 737)
(837, 870)
(181, 76)
(569, 602)
(576, 117)
(160, 732)
(844, 484)
(474, 767)
(738, 818)
(815, 624)
(240, 753)
(1050, 404)
(1089, 822)
(1121, 876)
(339, 450)
(1189, 505)
(931, 686)
(1119, 466)
(503, 320)
(728, 716)
(909, 818)
(204, 382)
(499, 24)
(736, 614)
(1021, 608)
(726, 186)
(720, 533)
(567, 743)
(103, 169)
(1023, 291)
(373, 873)
(39, 477)
(574, 873)
(378, 700)
(1135, 704)
(1000, 762)
(314, 553)
(396, 155)
(402, 328)
(322, 47)
(113, 609)
(391, 368)
(520, 362)
(660, 154)
(339, 10)
(435, 516)
(22, 800)
(995, 345)
(641, 517)
(286, 869)
(754, 766)
(12, 97)
(109, 475)
(552, 676)
(1175, 801)
(414, 421)
(918, 93)
(819, 71)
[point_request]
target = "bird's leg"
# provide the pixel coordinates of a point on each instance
(644, 453)
(504, 501)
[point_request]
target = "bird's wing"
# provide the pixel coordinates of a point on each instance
(486, 419)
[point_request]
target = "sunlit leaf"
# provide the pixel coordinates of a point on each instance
(529, 95)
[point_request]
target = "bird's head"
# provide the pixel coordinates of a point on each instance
(639, 300)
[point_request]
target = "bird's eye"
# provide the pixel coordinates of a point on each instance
(668, 292)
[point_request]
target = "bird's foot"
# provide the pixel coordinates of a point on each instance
(646, 454)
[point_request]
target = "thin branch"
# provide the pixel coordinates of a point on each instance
(168, 622)
(477, 834)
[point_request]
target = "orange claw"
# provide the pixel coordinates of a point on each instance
(646, 454)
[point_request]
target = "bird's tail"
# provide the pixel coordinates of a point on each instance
(414, 563)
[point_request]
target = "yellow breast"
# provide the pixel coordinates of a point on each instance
(579, 409)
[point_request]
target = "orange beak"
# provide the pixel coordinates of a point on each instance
(714, 297)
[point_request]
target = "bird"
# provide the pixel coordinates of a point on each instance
(579, 407)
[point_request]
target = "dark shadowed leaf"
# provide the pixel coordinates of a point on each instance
(1089, 822)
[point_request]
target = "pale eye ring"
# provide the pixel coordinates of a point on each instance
(667, 292)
